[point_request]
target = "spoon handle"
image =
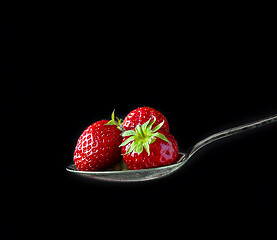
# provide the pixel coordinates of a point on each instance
(230, 132)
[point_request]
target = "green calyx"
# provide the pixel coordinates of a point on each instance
(142, 137)
(117, 123)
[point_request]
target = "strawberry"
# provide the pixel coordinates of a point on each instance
(147, 147)
(98, 146)
(142, 115)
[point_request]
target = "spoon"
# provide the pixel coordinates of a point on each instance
(159, 172)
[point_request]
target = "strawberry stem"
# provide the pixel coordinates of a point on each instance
(142, 136)
(116, 123)
(141, 131)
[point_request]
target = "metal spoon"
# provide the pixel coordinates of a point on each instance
(159, 172)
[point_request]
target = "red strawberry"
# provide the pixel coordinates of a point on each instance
(145, 147)
(98, 146)
(142, 115)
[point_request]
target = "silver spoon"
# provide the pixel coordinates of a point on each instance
(159, 172)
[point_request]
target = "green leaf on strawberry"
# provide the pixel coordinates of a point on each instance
(117, 123)
(142, 137)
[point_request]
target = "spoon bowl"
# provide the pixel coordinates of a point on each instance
(159, 172)
(131, 175)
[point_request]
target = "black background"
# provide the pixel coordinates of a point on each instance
(65, 67)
